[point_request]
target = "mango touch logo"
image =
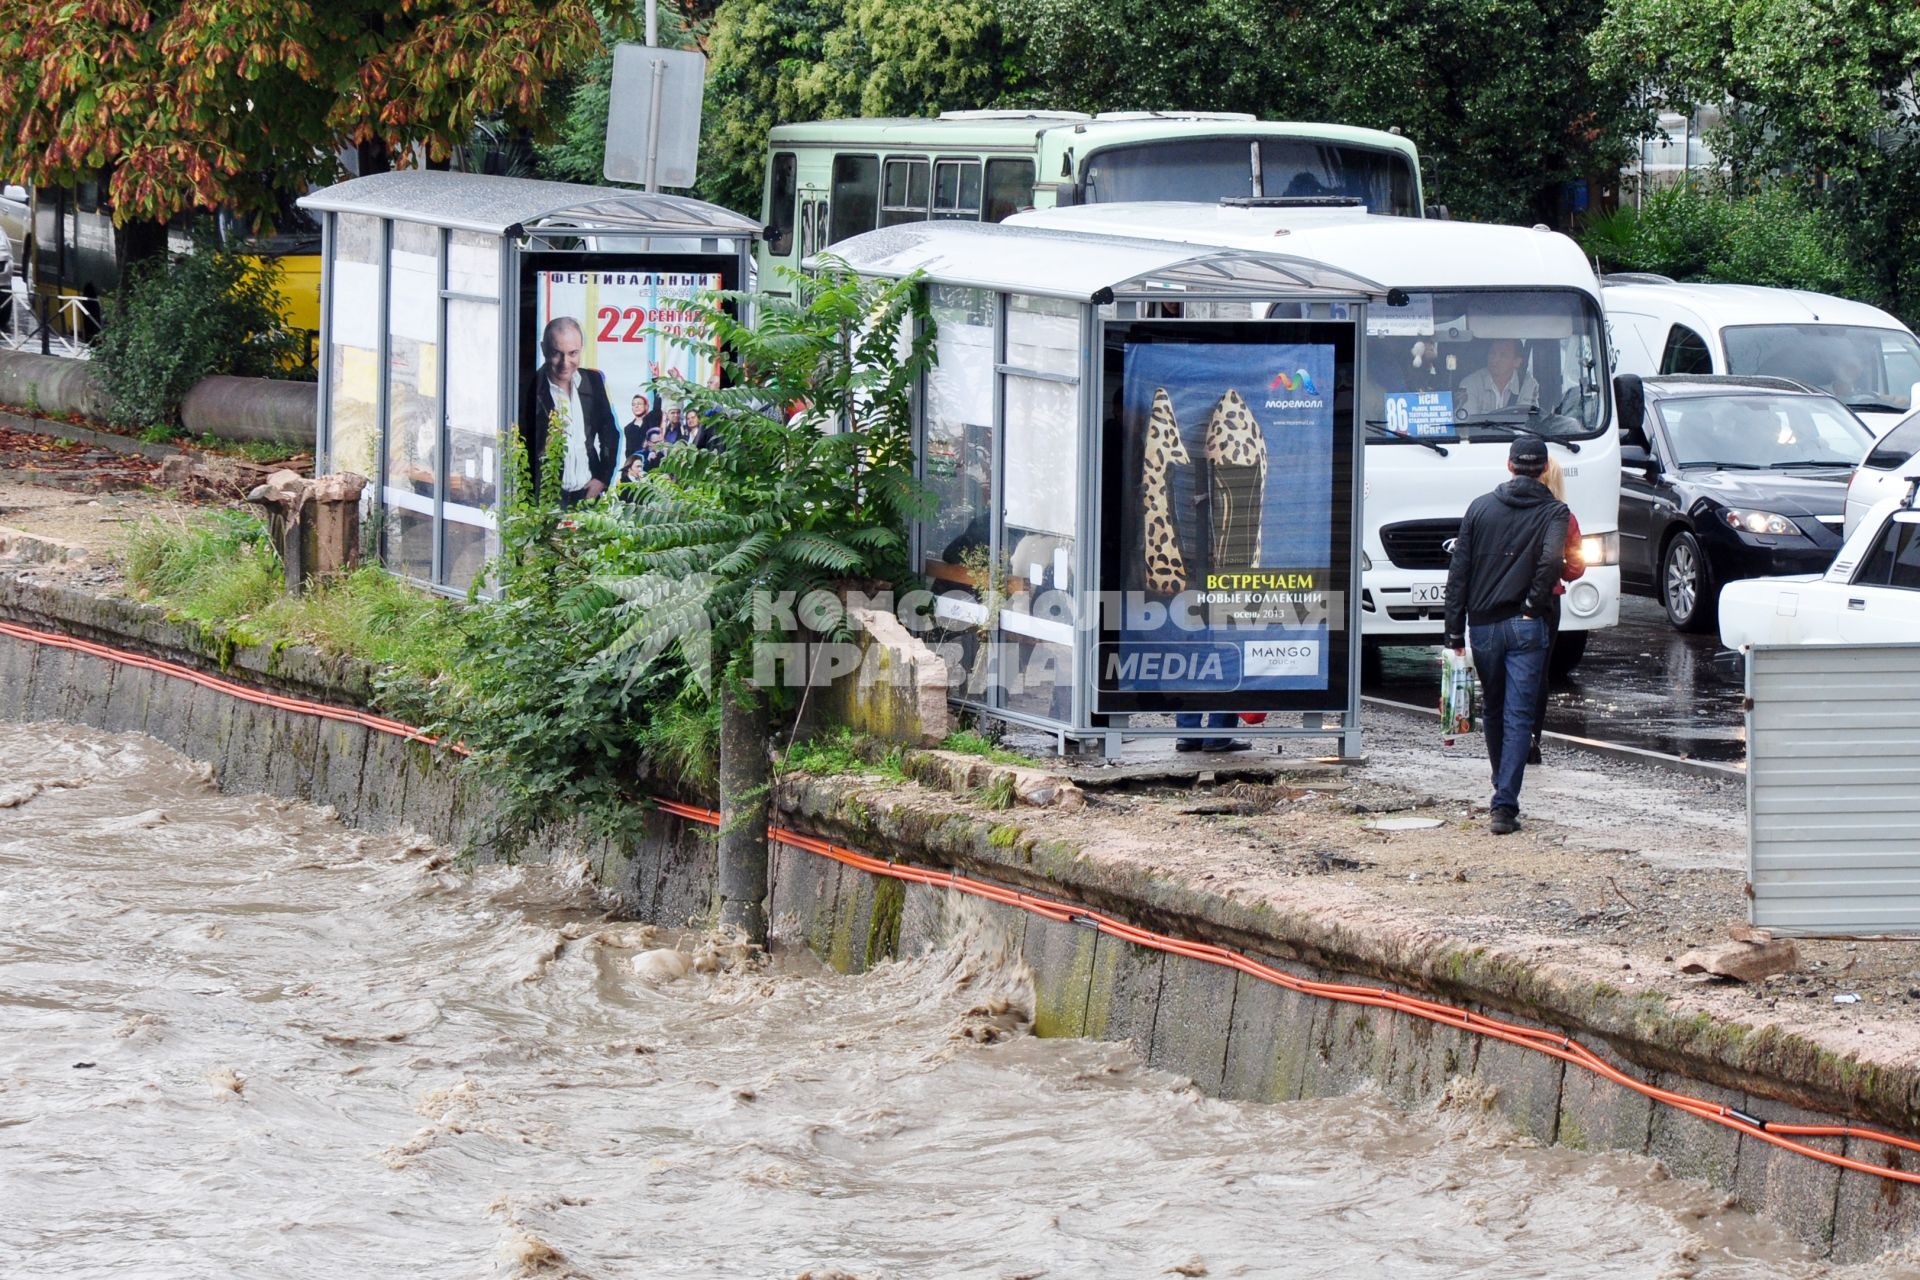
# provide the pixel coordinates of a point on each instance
(1300, 381)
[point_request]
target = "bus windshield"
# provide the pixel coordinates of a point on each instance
(1864, 367)
(1484, 365)
(1212, 168)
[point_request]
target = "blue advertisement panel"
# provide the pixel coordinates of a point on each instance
(1228, 547)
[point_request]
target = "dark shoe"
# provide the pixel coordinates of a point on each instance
(1505, 822)
(1218, 745)
(1533, 752)
(1187, 744)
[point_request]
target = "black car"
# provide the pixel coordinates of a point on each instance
(1724, 478)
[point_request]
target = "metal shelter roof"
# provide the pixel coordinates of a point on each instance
(508, 206)
(1080, 265)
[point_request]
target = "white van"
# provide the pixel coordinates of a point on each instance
(1861, 354)
(1459, 290)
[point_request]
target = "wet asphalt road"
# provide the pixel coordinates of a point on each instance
(1641, 683)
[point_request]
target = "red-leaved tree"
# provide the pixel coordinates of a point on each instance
(204, 104)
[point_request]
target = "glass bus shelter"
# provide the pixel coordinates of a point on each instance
(1123, 432)
(432, 297)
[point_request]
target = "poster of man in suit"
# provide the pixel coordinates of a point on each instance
(607, 336)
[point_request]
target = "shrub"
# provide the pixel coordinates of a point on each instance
(172, 324)
(1701, 232)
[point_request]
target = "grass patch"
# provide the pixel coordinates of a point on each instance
(252, 450)
(220, 570)
(843, 751)
(972, 743)
(997, 794)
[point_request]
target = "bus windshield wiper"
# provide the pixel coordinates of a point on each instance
(1505, 419)
(1379, 426)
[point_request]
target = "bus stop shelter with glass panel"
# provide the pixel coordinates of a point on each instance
(427, 333)
(1079, 379)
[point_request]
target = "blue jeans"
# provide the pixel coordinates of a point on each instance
(1193, 720)
(1511, 658)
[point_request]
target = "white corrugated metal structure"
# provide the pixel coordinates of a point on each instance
(1833, 788)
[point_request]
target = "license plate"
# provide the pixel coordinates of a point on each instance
(1430, 593)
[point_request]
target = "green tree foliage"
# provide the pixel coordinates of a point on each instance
(230, 103)
(211, 312)
(1822, 91)
(1702, 232)
(773, 61)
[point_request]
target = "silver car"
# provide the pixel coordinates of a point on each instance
(16, 218)
(1886, 472)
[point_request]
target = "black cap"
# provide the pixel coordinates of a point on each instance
(1528, 455)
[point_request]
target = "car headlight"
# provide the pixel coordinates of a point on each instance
(1366, 561)
(1600, 548)
(1759, 522)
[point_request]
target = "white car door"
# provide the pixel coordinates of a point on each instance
(1882, 603)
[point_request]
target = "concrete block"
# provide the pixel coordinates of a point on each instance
(1192, 1025)
(1526, 1086)
(1783, 1186)
(242, 767)
(920, 919)
(169, 709)
(209, 723)
(1873, 1214)
(1598, 1115)
(686, 881)
(293, 756)
(474, 817)
(126, 709)
(16, 676)
(383, 784)
(86, 701)
(1350, 1044)
(47, 691)
(1124, 993)
(1692, 1147)
(429, 790)
(1061, 957)
(340, 753)
(1271, 1037)
(852, 918)
(1426, 1055)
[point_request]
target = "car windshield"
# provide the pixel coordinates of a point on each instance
(1864, 367)
(1755, 431)
(1211, 168)
(1485, 364)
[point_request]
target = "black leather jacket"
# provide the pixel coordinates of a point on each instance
(1509, 554)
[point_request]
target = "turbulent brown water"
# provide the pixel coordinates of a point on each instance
(238, 1039)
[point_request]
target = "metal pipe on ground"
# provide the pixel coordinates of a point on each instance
(260, 409)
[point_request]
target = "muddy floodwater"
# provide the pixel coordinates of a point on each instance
(239, 1039)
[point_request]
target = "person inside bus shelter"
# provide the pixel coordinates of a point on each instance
(579, 397)
(1503, 384)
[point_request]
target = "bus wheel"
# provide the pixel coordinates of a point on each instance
(1568, 648)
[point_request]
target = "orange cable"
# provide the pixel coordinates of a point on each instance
(1551, 1043)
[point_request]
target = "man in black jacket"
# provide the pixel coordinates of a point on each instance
(593, 439)
(1499, 586)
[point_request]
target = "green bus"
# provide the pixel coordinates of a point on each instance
(832, 179)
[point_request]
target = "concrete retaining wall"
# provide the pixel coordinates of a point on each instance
(1235, 1036)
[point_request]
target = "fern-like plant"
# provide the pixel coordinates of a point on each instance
(813, 486)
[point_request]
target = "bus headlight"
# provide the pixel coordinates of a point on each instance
(1366, 561)
(1600, 548)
